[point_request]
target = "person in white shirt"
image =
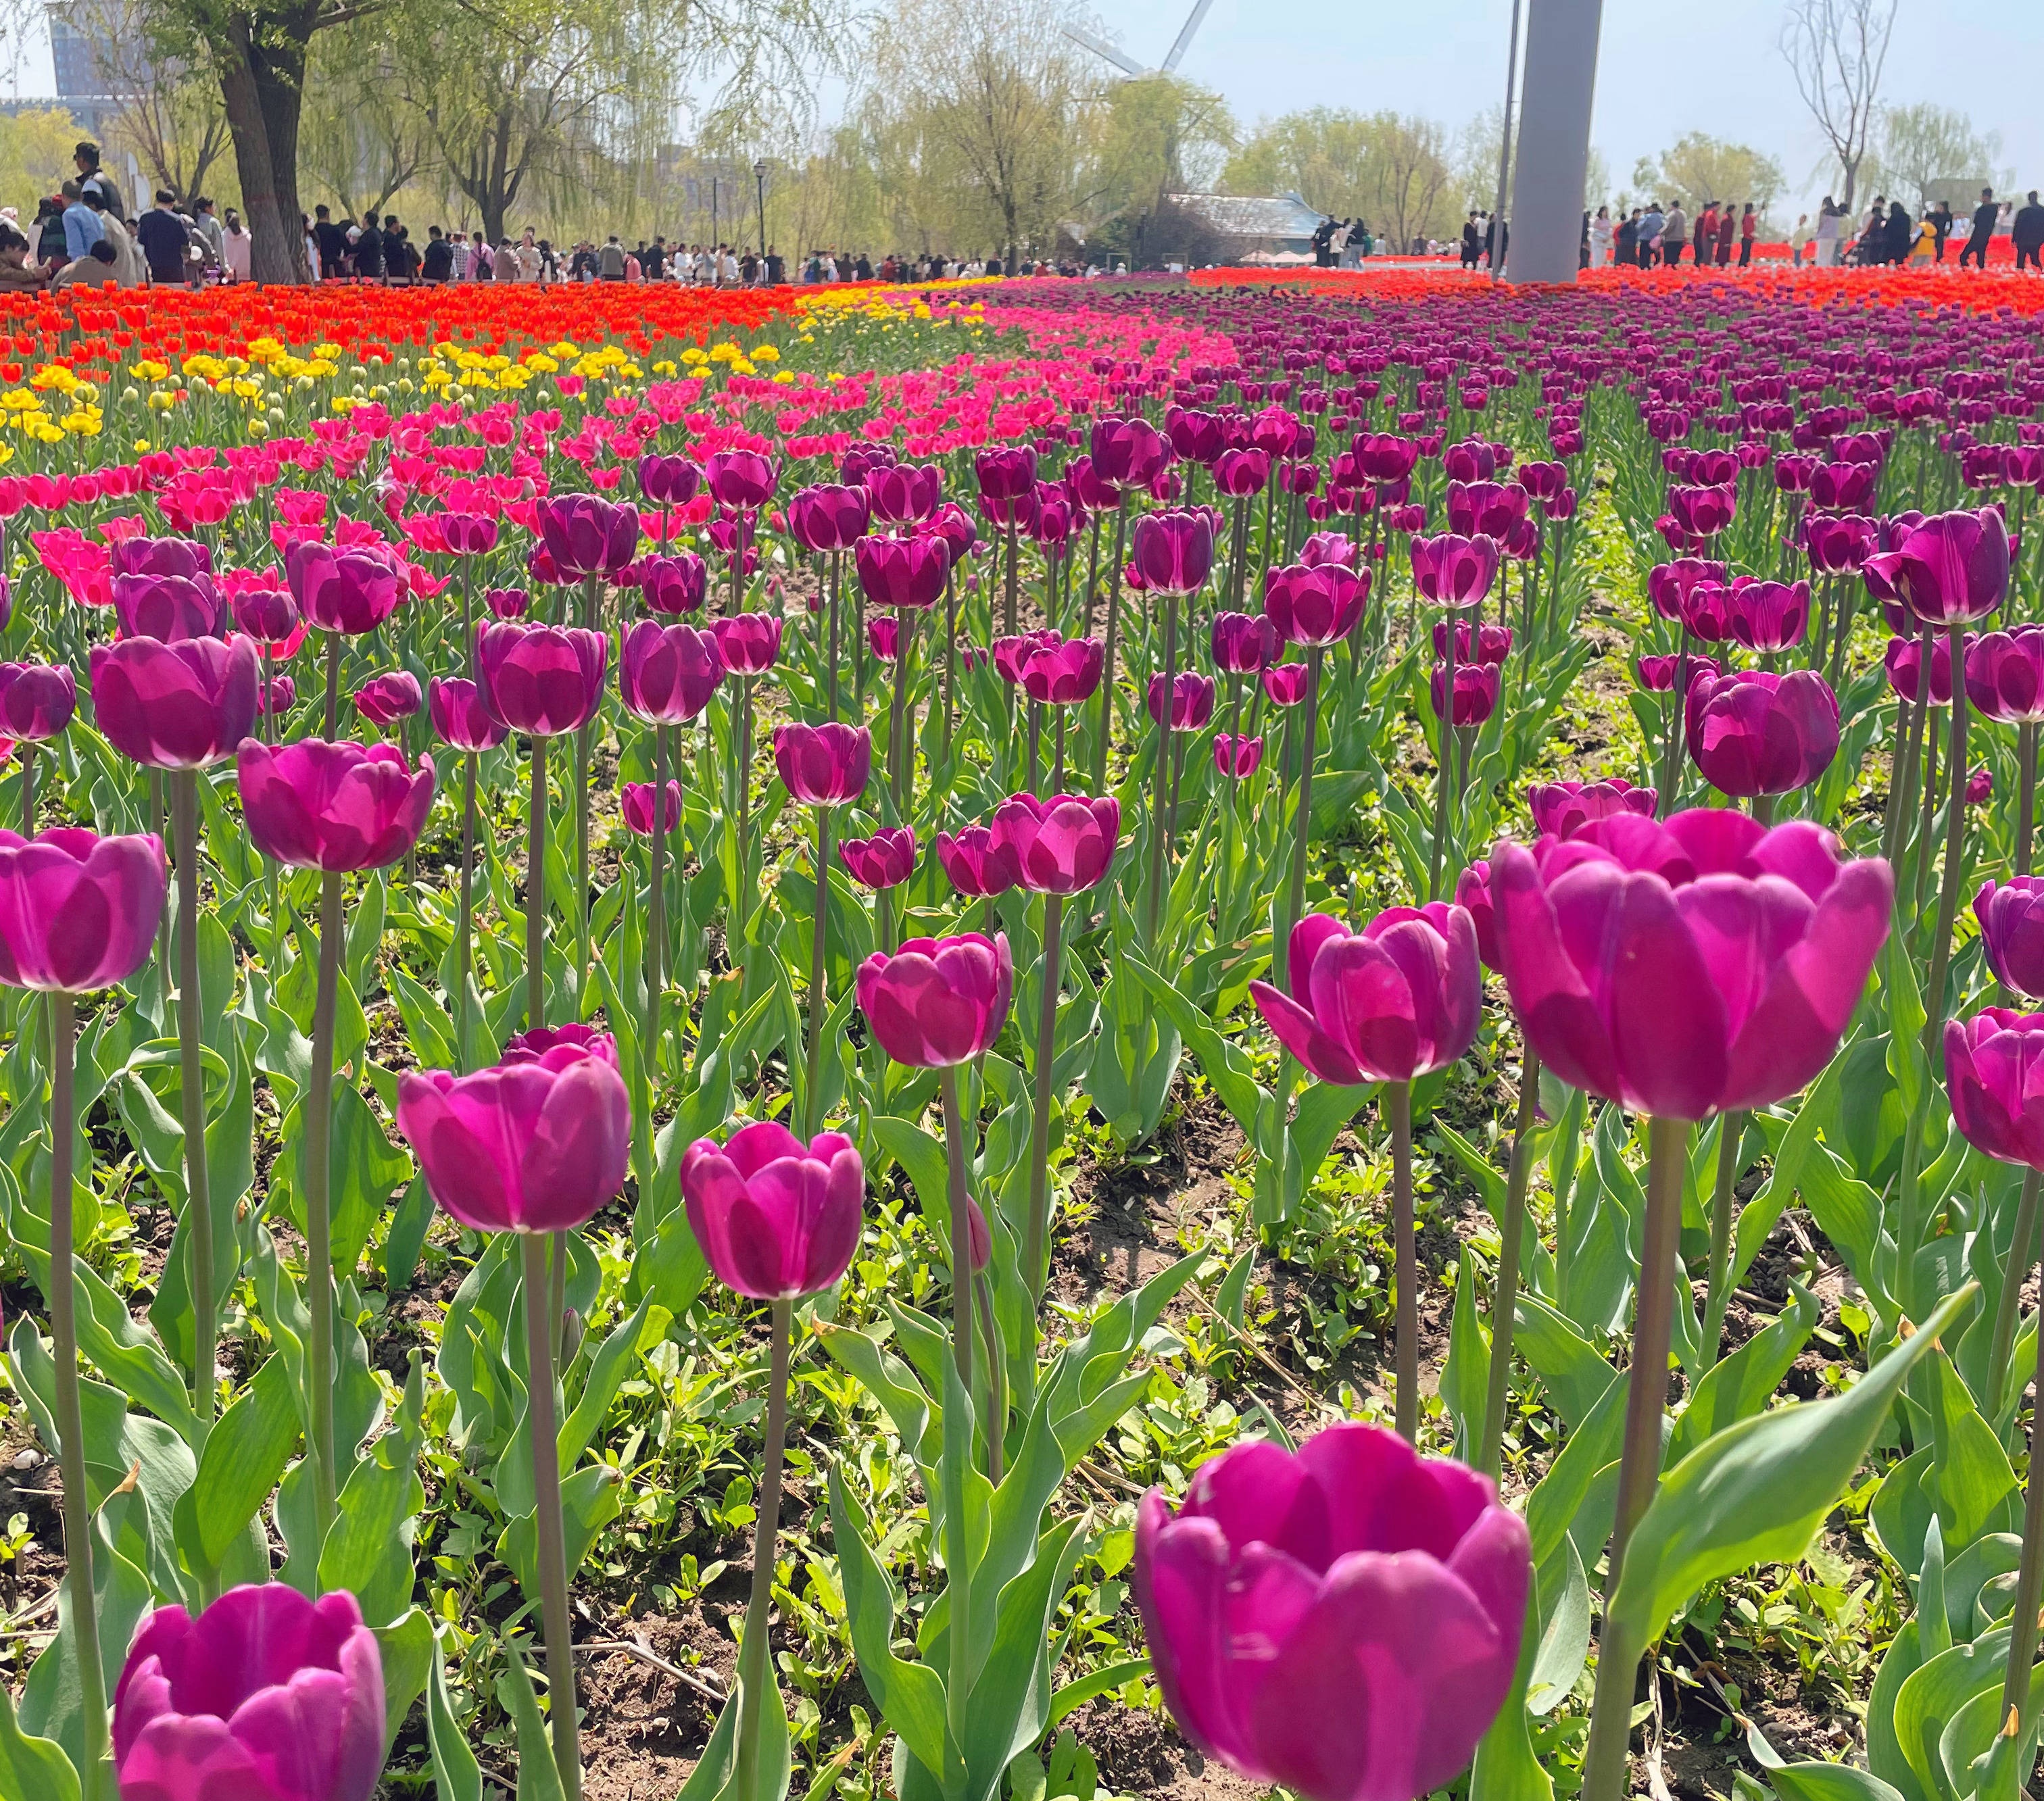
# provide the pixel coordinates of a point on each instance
(236, 245)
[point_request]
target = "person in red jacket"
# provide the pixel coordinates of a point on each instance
(1748, 228)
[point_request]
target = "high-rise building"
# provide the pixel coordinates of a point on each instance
(98, 59)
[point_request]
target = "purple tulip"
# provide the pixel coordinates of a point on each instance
(1173, 551)
(1244, 643)
(384, 699)
(1767, 617)
(460, 718)
(79, 912)
(539, 1143)
(1127, 453)
(1328, 546)
(902, 572)
(507, 603)
(1452, 570)
(1473, 896)
(1670, 585)
(1491, 644)
(1237, 757)
(467, 534)
(741, 479)
(279, 695)
(2004, 674)
(666, 673)
(1476, 691)
(826, 516)
(349, 591)
(2011, 922)
(585, 535)
(1951, 569)
(1838, 546)
(1286, 683)
(1658, 675)
(1311, 604)
(1563, 809)
(748, 642)
(885, 860)
(906, 494)
(937, 1002)
(180, 558)
(1196, 436)
(1240, 473)
(36, 700)
(174, 706)
(1703, 511)
(1397, 1000)
(1061, 845)
(823, 766)
(1470, 460)
(1344, 1620)
(266, 1696)
(1751, 733)
(1063, 674)
(1707, 962)
(775, 1218)
(670, 584)
(314, 805)
(1994, 1072)
(168, 608)
(1904, 661)
(1490, 508)
(883, 637)
(1192, 702)
(668, 480)
(541, 680)
(636, 803)
(269, 615)
(978, 866)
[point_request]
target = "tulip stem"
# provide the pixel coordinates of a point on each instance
(1504, 1298)
(951, 654)
(1398, 1097)
(830, 664)
(198, 1207)
(585, 743)
(1640, 1467)
(997, 1390)
(819, 945)
(1010, 570)
(1955, 826)
(2026, 808)
(1033, 1269)
(900, 756)
(536, 894)
(318, 1215)
(1731, 1137)
(333, 683)
(465, 945)
(656, 936)
(27, 790)
(69, 1415)
(1302, 823)
(1113, 617)
(755, 1664)
(2030, 1571)
(551, 1546)
(957, 1555)
(1437, 857)
(2021, 1253)
(1165, 712)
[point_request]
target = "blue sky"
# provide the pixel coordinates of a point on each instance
(1667, 66)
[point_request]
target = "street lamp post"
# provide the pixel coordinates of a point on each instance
(759, 175)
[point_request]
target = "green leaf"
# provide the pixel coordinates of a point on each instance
(368, 1549)
(31, 1768)
(409, 1654)
(1756, 1492)
(539, 1775)
(244, 1457)
(1225, 1064)
(1466, 1376)
(456, 1774)
(1575, 1376)
(1506, 1768)
(1100, 1682)
(1742, 1384)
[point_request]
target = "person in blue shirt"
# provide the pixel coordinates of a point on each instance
(80, 224)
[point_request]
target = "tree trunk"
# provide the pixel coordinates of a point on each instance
(270, 255)
(280, 86)
(262, 86)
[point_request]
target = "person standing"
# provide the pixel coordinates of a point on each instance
(1827, 239)
(1706, 233)
(237, 248)
(369, 250)
(1749, 229)
(2027, 229)
(164, 240)
(1985, 215)
(1727, 227)
(1941, 216)
(92, 179)
(80, 223)
(1602, 235)
(128, 269)
(610, 260)
(332, 242)
(208, 222)
(1674, 233)
(1472, 240)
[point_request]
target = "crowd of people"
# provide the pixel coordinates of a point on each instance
(84, 233)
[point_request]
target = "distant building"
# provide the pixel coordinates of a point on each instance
(1274, 229)
(98, 62)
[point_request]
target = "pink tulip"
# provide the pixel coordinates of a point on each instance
(1286, 683)
(2004, 674)
(384, 699)
(668, 480)
(36, 700)
(748, 642)
(1065, 673)
(1452, 570)
(174, 706)
(2011, 922)
(1237, 757)
(937, 1002)
(885, 860)
(1397, 1000)
(168, 607)
(1309, 604)
(906, 494)
(349, 591)
(1563, 809)
(1344, 1620)
(1061, 845)
(1192, 702)
(1476, 691)
(775, 1218)
(823, 766)
(315, 805)
(741, 479)
(1702, 964)
(541, 680)
(1473, 896)
(78, 911)
(1244, 643)
(979, 866)
(1751, 733)
(636, 804)
(266, 1696)
(1994, 1072)
(666, 673)
(460, 718)
(670, 584)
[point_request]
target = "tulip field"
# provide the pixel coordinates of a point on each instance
(1023, 1042)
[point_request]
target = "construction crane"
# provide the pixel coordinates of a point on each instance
(1126, 63)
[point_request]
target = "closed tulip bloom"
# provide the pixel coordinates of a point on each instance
(902, 572)
(670, 584)
(168, 607)
(1703, 511)
(1492, 508)
(269, 615)
(539, 1143)
(1061, 845)
(1750, 732)
(1383, 456)
(1344, 1620)
(1473, 896)
(1197, 436)
(1980, 786)
(1563, 809)
(1470, 460)
(635, 803)
(542, 680)
(1765, 616)
(1286, 683)
(468, 534)
(1994, 1072)
(1238, 757)
(384, 699)
(906, 494)
(776, 1217)
(748, 642)
(1452, 570)
(1950, 570)
(823, 766)
(938, 1001)
(1841, 487)
(1837, 545)
(180, 558)
(1904, 661)
(508, 603)
(1127, 453)
(977, 865)
(1244, 643)
(1311, 605)
(1241, 473)
(585, 535)
(1012, 655)
(1490, 644)
(174, 706)
(2011, 922)
(885, 860)
(1396, 1000)
(36, 700)
(1063, 674)
(1173, 551)
(741, 479)
(668, 480)
(828, 516)
(349, 591)
(666, 673)
(460, 718)
(79, 912)
(1476, 691)
(1328, 547)
(2004, 675)
(267, 1695)
(279, 695)
(1658, 675)
(1669, 584)
(316, 805)
(1192, 702)
(883, 637)
(1005, 472)
(1705, 963)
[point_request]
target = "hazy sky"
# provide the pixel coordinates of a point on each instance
(1668, 67)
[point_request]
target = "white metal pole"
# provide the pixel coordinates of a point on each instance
(1559, 86)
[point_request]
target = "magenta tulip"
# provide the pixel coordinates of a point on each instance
(1237, 757)
(2004, 675)
(1127, 453)
(1994, 1072)
(823, 766)
(79, 912)
(180, 559)
(885, 860)
(266, 1696)
(1061, 845)
(1311, 604)
(937, 1002)
(314, 805)
(636, 804)
(828, 517)
(1192, 702)
(36, 700)
(1670, 585)
(1344, 1620)
(168, 608)
(977, 865)
(906, 494)
(467, 534)
(775, 1218)
(1476, 691)
(1452, 570)
(351, 592)
(1244, 643)
(269, 615)
(748, 642)
(668, 480)
(1951, 569)
(902, 572)
(1489, 644)
(1173, 551)
(1563, 809)
(1240, 473)
(1751, 733)
(279, 695)
(507, 603)
(670, 584)
(585, 535)
(2011, 922)
(740, 479)
(1286, 683)
(541, 680)
(1328, 546)
(1903, 658)
(460, 718)
(666, 673)
(1473, 896)
(1065, 673)
(174, 706)
(1767, 617)
(1701, 964)
(384, 699)
(1658, 675)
